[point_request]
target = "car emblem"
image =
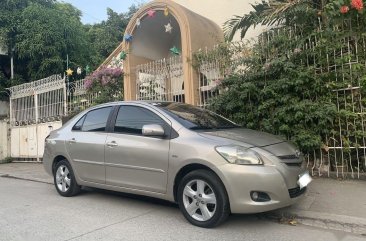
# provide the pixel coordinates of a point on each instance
(297, 153)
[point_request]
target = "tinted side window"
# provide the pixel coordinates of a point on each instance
(96, 120)
(131, 119)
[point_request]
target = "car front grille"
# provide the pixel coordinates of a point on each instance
(291, 160)
(295, 192)
(288, 157)
(293, 164)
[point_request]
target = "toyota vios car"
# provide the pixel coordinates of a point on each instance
(207, 164)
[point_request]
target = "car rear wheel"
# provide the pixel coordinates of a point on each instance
(202, 199)
(64, 179)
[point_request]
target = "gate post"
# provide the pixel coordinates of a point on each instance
(65, 97)
(36, 114)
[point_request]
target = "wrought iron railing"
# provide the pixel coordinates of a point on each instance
(160, 80)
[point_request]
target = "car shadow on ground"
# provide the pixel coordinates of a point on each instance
(135, 197)
(233, 220)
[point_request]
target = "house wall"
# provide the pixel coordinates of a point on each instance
(4, 108)
(4, 140)
(222, 10)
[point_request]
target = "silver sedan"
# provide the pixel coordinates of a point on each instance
(207, 164)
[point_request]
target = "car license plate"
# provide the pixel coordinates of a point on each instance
(304, 180)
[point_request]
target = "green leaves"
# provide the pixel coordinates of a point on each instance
(44, 33)
(279, 96)
(271, 13)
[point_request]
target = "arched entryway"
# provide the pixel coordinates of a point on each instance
(158, 64)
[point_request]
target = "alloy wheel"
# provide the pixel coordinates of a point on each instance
(63, 180)
(199, 200)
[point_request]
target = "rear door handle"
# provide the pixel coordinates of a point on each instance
(72, 141)
(112, 144)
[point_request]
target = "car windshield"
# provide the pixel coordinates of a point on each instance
(195, 118)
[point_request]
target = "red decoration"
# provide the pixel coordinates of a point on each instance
(357, 4)
(151, 13)
(344, 9)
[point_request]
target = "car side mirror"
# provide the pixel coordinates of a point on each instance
(153, 130)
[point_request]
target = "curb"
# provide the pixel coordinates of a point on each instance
(330, 221)
(26, 179)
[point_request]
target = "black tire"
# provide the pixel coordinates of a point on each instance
(222, 206)
(73, 188)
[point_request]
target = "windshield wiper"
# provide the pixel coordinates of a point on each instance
(228, 127)
(201, 128)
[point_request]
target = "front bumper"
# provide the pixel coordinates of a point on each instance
(241, 180)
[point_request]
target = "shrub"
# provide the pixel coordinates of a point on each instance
(106, 84)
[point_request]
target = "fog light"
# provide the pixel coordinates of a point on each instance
(255, 196)
(259, 196)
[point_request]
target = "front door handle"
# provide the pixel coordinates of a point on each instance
(112, 144)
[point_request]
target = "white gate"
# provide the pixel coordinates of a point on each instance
(36, 108)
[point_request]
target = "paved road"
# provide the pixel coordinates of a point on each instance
(34, 211)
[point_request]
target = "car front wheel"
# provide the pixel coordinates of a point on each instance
(202, 199)
(64, 179)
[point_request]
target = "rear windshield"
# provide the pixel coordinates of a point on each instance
(195, 118)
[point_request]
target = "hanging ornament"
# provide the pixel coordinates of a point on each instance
(138, 22)
(168, 28)
(166, 11)
(69, 72)
(87, 69)
(175, 51)
(78, 71)
(123, 55)
(151, 13)
(128, 37)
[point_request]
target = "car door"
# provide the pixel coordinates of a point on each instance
(86, 145)
(133, 160)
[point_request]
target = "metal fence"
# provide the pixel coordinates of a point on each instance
(78, 98)
(161, 80)
(211, 73)
(38, 101)
(216, 64)
(48, 100)
(344, 151)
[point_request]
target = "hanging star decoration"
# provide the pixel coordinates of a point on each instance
(69, 72)
(151, 13)
(128, 37)
(138, 22)
(166, 11)
(168, 28)
(175, 51)
(87, 69)
(123, 55)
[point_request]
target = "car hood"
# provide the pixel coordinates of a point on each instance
(274, 144)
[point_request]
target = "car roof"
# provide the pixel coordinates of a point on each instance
(151, 102)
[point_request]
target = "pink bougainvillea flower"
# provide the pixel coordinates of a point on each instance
(357, 4)
(344, 9)
(88, 83)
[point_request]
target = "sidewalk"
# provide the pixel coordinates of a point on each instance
(328, 203)
(331, 204)
(27, 171)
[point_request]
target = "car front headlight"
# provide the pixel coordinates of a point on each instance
(239, 155)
